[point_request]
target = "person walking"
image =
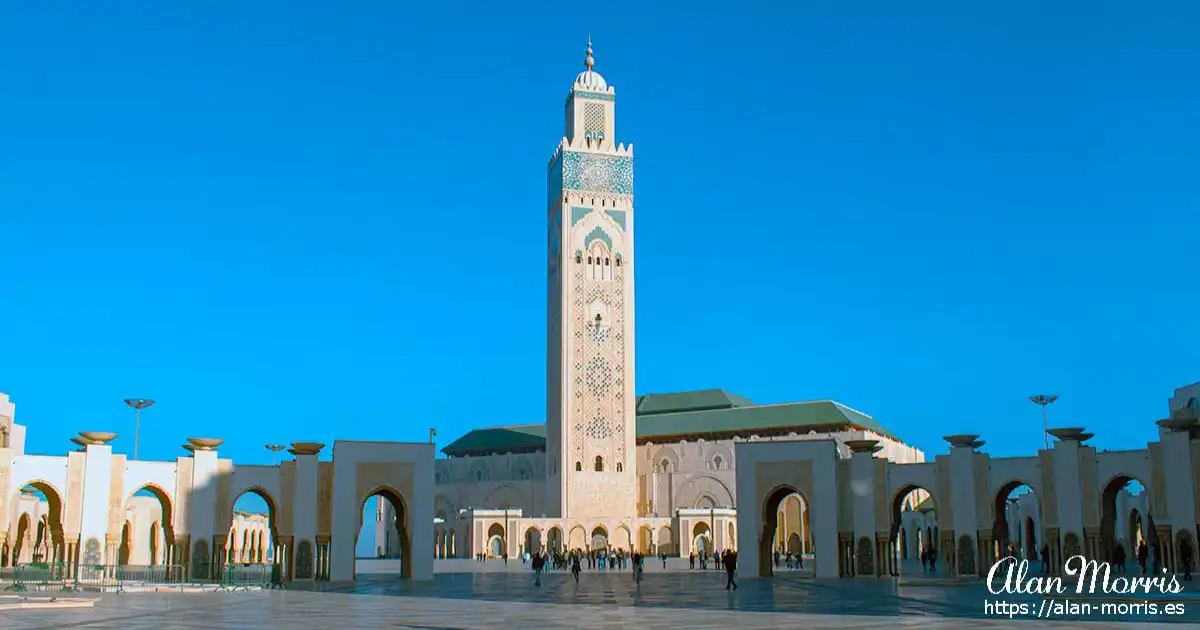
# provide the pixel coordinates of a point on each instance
(575, 568)
(730, 562)
(539, 563)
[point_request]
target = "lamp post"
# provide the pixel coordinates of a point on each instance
(505, 549)
(139, 404)
(1044, 401)
(432, 434)
(275, 448)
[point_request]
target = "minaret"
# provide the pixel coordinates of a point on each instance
(590, 392)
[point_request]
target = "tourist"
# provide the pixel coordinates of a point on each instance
(730, 562)
(1119, 558)
(799, 559)
(539, 563)
(692, 560)
(924, 560)
(777, 559)
(932, 560)
(575, 568)
(664, 559)
(637, 568)
(1143, 553)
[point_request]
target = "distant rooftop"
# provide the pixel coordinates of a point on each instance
(711, 413)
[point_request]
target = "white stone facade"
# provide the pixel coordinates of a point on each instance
(97, 507)
(1081, 501)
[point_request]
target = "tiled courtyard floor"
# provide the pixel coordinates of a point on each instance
(599, 602)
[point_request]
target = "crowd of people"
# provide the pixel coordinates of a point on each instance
(577, 560)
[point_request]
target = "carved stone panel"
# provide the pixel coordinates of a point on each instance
(966, 555)
(304, 560)
(865, 557)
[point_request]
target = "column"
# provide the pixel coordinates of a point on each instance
(862, 479)
(97, 474)
(964, 518)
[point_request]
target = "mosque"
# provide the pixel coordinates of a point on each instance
(673, 473)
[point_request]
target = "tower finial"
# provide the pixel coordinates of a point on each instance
(589, 62)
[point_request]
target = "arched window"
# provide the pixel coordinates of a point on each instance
(1192, 403)
(599, 464)
(578, 258)
(666, 465)
(478, 475)
(717, 462)
(620, 468)
(578, 466)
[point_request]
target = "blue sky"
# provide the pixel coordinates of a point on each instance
(300, 221)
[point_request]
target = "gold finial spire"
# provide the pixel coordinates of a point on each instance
(589, 62)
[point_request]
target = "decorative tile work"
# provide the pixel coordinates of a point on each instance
(599, 96)
(597, 363)
(593, 121)
(597, 173)
(598, 233)
(578, 213)
(618, 216)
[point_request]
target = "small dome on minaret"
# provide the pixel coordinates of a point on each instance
(590, 79)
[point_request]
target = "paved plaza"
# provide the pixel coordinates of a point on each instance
(601, 600)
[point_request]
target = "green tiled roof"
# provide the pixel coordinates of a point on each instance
(704, 412)
(513, 439)
(699, 400)
(802, 416)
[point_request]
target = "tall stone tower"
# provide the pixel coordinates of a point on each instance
(591, 401)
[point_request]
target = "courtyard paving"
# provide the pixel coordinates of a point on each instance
(600, 601)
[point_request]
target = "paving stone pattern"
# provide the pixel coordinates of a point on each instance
(601, 601)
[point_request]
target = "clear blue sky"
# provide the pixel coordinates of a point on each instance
(294, 221)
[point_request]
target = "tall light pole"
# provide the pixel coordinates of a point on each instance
(275, 448)
(139, 404)
(432, 434)
(1044, 400)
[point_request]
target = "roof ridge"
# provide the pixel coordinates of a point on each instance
(766, 406)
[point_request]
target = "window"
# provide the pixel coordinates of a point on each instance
(578, 466)
(717, 462)
(666, 466)
(578, 258)
(620, 468)
(599, 464)
(478, 475)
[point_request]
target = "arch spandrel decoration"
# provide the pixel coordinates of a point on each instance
(373, 475)
(768, 476)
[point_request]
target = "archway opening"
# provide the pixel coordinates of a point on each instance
(1126, 501)
(554, 539)
(148, 516)
(42, 538)
(382, 544)
(666, 543)
(252, 517)
(912, 549)
(495, 543)
(786, 538)
(533, 541)
(1016, 523)
(643, 540)
(599, 539)
(702, 542)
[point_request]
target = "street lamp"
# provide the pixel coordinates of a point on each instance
(1044, 400)
(139, 404)
(432, 434)
(275, 448)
